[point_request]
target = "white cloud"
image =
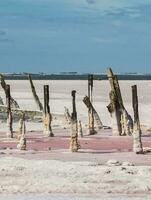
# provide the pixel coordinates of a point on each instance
(129, 7)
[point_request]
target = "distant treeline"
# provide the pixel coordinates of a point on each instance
(75, 77)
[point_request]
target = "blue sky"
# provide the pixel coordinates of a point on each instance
(75, 35)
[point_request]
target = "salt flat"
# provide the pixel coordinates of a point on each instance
(46, 177)
(74, 197)
(60, 96)
(82, 180)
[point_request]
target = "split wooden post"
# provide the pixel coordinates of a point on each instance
(114, 107)
(47, 117)
(21, 133)
(122, 123)
(74, 145)
(9, 113)
(91, 130)
(36, 98)
(137, 143)
(97, 119)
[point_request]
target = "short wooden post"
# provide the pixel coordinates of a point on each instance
(9, 113)
(91, 130)
(74, 145)
(21, 134)
(137, 143)
(47, 117)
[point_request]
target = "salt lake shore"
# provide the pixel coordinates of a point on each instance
(104, 168)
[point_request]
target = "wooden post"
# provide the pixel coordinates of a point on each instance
(122, 123)
(20, 126)
(47, 117)
(91, 130)
(13, 103)
(21, 134)
(80, 131)
(137, 143)
(36, 98)
(74, 145)
(9, 113)
(97, 119)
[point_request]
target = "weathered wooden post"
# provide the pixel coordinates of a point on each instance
(20, 126)
(137, 143)
(47, 117)
(9, 113)
(80, 131)
(122, 123)
(1, 101)
(36, 98)
(67, 115)
(97, 119)
(13, 103)
(21, 134)
(74, 145)
(91, 130)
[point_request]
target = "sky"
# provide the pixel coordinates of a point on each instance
(85, 36)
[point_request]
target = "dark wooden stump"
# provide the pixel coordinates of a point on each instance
(9, 113)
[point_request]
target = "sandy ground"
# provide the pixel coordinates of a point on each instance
(47, 168)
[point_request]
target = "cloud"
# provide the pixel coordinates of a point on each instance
(115, 8)
(91, 1)
(5, 40)
(2, 32)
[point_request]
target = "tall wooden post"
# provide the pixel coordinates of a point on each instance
(114, 107)
(74, 145)
(91, 130)
(137, 143)
(9, 113)
(47, 117)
